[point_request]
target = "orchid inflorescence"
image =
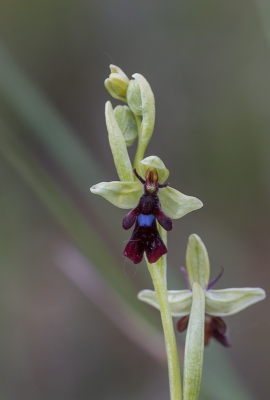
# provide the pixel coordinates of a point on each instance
(153, 203)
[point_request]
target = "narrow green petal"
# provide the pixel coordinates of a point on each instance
(197, 261)
(176, 204)
(222, 303)
(118, 146)
(179, 300)
(121, 194)
(194, 347)
(154, 162)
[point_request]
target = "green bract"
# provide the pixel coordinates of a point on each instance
(118, 145)
(148, 108)
(134, 97)
(219, 303)
(197, 262)
(127, 194)
(127, 123)
(193, 361)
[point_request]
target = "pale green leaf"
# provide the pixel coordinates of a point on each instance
(222, 303)
(121, 194)
(176, 204)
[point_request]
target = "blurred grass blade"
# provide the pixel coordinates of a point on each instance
(46, 123)
(66, 213)
(84, 276)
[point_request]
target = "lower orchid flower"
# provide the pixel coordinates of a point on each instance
(214, 327)
(201, 310)
(218, 303)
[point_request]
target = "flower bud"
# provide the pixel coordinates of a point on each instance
(127, 123)
(134, 97)
(117, 83)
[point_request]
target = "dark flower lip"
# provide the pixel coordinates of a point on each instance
(145, 237)
(214, 327)
(217, 328)
(182, 323)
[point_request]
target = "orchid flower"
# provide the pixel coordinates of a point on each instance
(201, 310)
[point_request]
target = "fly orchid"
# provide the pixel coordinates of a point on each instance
(201, 310)
(124, 125)
(218, 303)
(168, 204)
(145, 236)
(138, 190)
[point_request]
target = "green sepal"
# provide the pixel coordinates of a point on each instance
(156, 163)
(121, 194)
(179, 300)
(194, 347)
(197, 262)
(225, 302)
(127, 123)
(118, 146)
(176, 204)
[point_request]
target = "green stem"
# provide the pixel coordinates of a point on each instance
(169, 336)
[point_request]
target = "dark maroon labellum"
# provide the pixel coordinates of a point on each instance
(145, 236)
(214, 327)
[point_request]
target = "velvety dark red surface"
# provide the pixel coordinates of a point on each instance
(145, 238)
(214, 327)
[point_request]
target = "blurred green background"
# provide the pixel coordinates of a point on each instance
(68, 331)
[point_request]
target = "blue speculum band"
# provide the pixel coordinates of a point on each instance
(145, 220)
